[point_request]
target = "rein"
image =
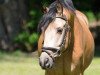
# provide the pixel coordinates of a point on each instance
(57, 52)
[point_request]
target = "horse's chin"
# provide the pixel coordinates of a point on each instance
(45, 61)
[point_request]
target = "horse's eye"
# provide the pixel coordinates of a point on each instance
(43, 42)
(59, 30)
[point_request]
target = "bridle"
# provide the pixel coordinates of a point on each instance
(57, 52)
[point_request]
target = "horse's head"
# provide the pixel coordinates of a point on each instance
(55, 38)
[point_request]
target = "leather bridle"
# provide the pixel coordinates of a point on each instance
(57, 52)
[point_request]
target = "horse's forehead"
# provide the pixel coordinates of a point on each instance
(59, 22)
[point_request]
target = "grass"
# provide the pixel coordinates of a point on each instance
(18, 63)
(94, 68)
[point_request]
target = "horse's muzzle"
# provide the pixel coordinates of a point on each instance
(45, 61)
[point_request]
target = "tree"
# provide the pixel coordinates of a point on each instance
(13, 13)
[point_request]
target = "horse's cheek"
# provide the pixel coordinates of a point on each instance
(40, 44)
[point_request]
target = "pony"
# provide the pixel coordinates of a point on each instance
(65, 45)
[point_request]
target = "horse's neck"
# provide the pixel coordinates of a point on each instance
(62, 65)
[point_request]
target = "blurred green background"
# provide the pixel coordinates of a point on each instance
(18, 34)
(19, 20)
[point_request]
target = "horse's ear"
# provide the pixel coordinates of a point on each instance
(59, 8)
(45, 9)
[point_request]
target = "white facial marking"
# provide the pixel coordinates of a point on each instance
(59, 22)
(51, 37)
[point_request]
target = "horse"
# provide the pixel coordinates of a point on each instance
(65, 45)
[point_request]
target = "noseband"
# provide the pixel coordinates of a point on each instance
(56, 51)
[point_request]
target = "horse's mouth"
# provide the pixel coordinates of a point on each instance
(45, 61)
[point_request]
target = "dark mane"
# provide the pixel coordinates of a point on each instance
(50, 15)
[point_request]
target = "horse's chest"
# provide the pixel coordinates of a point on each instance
(61, 67)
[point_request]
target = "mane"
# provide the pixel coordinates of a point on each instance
(50, 15)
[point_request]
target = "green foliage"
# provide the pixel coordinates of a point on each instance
(26, 37)
(90, 16)
(33, 38)
(22, 37)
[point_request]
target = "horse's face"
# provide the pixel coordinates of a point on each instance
(53, 43)
(53, 33)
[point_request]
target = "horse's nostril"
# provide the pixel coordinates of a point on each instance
(46, 60)
(47, 65)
